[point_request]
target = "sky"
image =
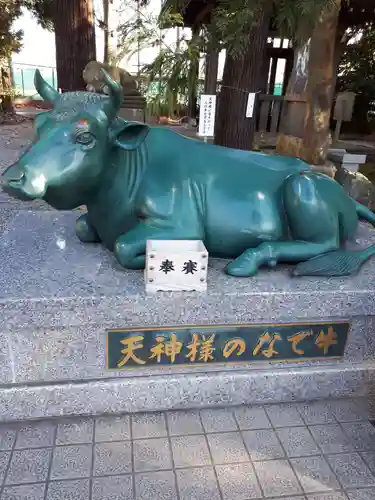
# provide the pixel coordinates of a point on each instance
(38, 44)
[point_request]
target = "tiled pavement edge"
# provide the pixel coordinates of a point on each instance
(317, 451)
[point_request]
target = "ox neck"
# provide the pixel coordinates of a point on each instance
(122, 175)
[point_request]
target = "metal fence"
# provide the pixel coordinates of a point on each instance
(23, 78)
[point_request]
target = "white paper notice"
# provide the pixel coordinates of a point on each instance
(207, 115)
(250, 105)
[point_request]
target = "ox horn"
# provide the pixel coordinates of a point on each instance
(44, 89)
(116, 96)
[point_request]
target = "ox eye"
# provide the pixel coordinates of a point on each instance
(85, 138)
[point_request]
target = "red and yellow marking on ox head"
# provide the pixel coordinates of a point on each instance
(82, 125)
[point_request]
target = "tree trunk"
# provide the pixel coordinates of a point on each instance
(320, 86)
(6, 89)
(242, 74)
(75, 41)
(306, 132)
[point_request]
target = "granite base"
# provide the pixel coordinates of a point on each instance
(58, 297)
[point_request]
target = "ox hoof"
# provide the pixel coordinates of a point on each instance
(125, 255)
(85, 232)
(241, 270)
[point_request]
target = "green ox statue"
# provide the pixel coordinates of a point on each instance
(141, 183)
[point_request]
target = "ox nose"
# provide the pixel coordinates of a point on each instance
(12, 173)
(11, 181)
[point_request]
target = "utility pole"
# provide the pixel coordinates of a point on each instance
(178, 39)
(160, 73)
(138, 44)
(106, 29)
(110, 28)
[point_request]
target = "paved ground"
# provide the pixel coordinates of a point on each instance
(321, 451)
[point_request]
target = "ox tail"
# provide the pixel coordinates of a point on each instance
(339, 262)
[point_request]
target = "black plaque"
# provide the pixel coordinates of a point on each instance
(194, 345)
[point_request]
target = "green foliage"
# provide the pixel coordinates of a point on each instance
(10, 40)
(143, 30)
(232, 20)
(137, 33)
(173, 68)
(42, 10)
(10, 10)
(295, 19)
(230, 26)
(231, 23)
(357, 67)
(156, 107)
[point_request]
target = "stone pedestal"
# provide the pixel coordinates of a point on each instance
(58, 297)
(346, 160)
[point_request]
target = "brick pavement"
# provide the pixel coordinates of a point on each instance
(317, 451)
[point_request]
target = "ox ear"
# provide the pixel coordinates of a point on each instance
(130, 135)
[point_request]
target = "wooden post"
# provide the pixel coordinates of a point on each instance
(265, 69)
(212, 65)
(287, 72)
(336, 135)
(271, 83)
(193, 78)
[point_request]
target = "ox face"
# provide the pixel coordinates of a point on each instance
(63, 163)
(66, 159)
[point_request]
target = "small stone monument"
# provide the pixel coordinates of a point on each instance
(343, 111)
(133, 106)
(95, 80)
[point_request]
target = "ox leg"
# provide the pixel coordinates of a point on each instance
(85, 231)
(130, 248)
(314, 227)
